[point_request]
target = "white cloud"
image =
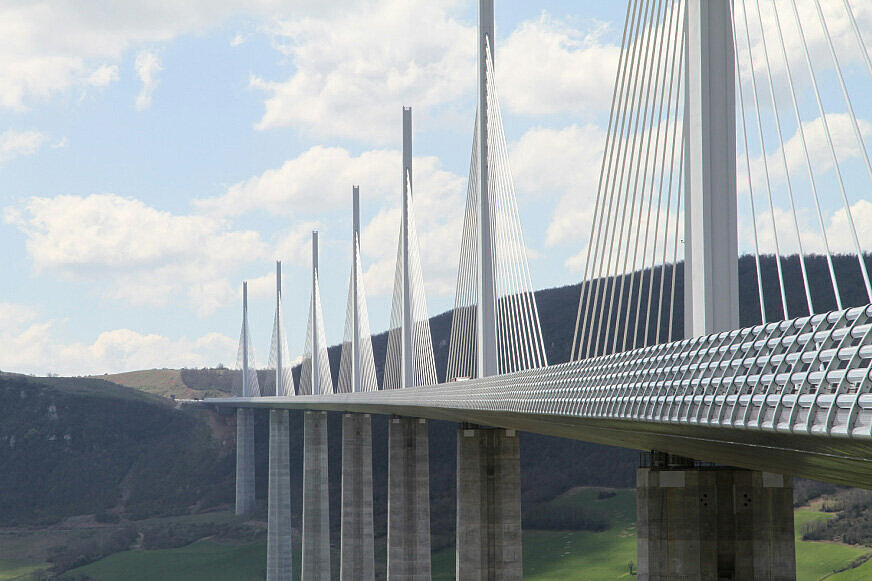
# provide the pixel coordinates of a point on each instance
(317, 181)
(52, 46)
(295, 245)
(836, 223)
(844, 140)
(838, 26)
(353, 72)
(440, 198)
(17, 143)
(561, 164)
(146, 255)
(104, 75)
(31, 346)
(15, 316)
(147, 68)
(546, 66)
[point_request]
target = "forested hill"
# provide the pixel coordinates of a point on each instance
(72, 446)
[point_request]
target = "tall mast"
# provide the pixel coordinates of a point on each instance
(355, 263)
(280, 385)
(407, 367)
(245, 340)
(486, 336)
(316, 372)
(711, 287)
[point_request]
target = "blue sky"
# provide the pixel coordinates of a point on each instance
(153, 156)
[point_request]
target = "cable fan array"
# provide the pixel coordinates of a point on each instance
(628, 294)
(801, 145)
(315, 353)
(368, 380)
(519, 336)
(800, 150)
(245, 364)
(423, 365)
(279, 357)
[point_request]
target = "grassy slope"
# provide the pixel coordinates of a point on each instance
(162, 382)
(200, 561)
(815, 560)
(16, 571)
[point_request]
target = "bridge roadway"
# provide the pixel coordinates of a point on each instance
(791, 397)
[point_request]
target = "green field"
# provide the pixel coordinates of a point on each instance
(200, 561)
(15, 571)
(816, 560)
(548, 555)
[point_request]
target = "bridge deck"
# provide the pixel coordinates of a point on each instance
(790, 397)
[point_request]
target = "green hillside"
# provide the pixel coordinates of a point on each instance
(549, 555)
(72, 446)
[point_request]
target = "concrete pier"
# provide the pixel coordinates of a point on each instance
(408, 499)
(488, 504)
(316, 505)
(714, 523)
(357, 561)
(278, 539)
(244, 461)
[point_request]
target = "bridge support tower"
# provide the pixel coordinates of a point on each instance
(408, 499)
(408, 552)
(488, 459)
(245, 502)
(316, 505)
(357, 562)
(697, 522)
(278, 540)
(488, 504)
(713, 523)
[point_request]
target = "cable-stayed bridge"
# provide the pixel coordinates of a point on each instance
(736, 127)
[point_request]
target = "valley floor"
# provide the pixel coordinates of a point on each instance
(548, 555)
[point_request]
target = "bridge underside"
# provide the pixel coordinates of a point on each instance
(839, 460)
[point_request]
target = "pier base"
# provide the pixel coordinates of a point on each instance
(244, 461)
(717, 523)
(357, 551)
(278, 539)
(408, 499)
(488, 505)
(316, 494)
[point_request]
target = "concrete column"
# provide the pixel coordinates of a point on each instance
(714, 523)
(357, 561)
(316, 494)
(407, 361)
(244, 461)
(278, 539)
(488, 505)
(408, 499)
(486, 318)
(711, 275)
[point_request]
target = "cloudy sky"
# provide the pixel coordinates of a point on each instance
(155, 154)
